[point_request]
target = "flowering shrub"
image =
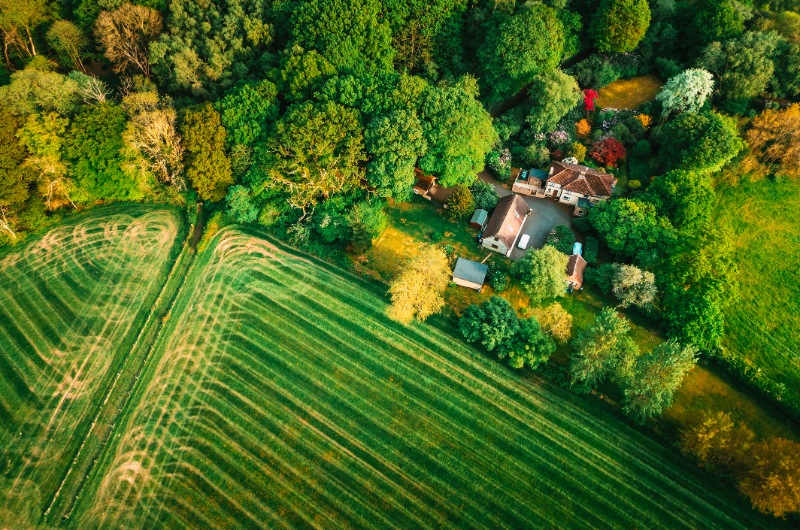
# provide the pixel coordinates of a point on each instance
(608, 151)
(645, 120)
(589, 95)
(558, 138)
(583, 128)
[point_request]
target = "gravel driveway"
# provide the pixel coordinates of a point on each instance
(547, 213)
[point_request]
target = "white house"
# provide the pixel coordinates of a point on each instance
(503, 228)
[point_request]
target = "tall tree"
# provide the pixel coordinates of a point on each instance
(208, 46)
(18, 21)
(699, 142)
(207, 166)
(460, 204)
(69, 42)
(458, 131)
(685, 92)
(771, 480)
(552, 96)
(152, 135)
(542, 273)
(37, 89)
(655, 378)
(716, 20)
(716, 441)
(417, 291)
(14, 176)
(366, 220)
(683, 198)
(603, 349)
(632, 228)
(633, 286)
(93, 147)
(774, 138)
(528, 43)
(619, 25)
(555, 321)
(394, 143)
(317, 151)
(126, 33)
(43, 135)
(351, 34)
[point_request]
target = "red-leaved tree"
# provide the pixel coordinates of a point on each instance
(589, 95)
(608, 151)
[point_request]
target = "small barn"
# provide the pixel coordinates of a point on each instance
(470, 273)
(479, 219)
(505, 224)
(575, 267)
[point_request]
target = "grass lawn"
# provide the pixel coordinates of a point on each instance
(762, 325)
(629, 93)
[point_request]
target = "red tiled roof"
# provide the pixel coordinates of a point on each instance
(582, 179)
(575, 267)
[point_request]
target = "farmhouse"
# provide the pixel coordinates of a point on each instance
(575, 267)
(573, 184)
(505, 224)
(470, 273)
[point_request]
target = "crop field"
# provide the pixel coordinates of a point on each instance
(762, 325)
(72, 304)
(279, 395)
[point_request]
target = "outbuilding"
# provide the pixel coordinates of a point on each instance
(479, 219)
(470, 273)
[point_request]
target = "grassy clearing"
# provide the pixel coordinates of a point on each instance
(72, 306)
(762, 326)
(283, 397)
(629, 93)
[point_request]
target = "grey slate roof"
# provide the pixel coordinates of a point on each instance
(479, 217)
(471, 271)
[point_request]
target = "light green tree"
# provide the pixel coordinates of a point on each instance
(552, 96)
(542, 273)
(417, 291)
(655, 378)
(604, 349)
(619, 25)
(685, 92)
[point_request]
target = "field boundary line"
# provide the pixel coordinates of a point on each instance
(149, 329)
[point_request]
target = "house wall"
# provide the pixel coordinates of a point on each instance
(465, 283)
(525, 189)
(570, 197)
(495, 245)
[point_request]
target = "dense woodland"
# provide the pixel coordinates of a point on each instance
(309, 116)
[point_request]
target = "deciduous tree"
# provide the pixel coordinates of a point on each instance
(366, 221)
(458, 131)
(685, 92)
(417, 291)
(619, 25)
(460, 204)
(18, 21)
(528, 43)
(699, 142)
(151, 134)
(240, 205)
(126, 33)
(552, 96)
(394, 142)
(555, 321)
(633, 286)
(655, 378)
(207, 166)
(42, 135)
(772, 478)
(608, 151)
(317, 151)
(69, 42)
(717, 443)
(774, 138)
(603, 349)
(542, 273)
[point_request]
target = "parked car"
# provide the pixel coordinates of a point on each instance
(523, 241)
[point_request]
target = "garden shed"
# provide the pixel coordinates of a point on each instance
(479, 219)
(470, 273)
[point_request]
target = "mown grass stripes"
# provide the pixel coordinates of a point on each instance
(281, 396)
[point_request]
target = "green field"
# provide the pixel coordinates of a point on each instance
(267, 389)
(763, 324)
(73, 304)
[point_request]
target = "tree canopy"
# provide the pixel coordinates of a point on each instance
(417, 291)
(619, 25)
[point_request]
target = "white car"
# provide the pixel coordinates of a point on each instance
(523, 241)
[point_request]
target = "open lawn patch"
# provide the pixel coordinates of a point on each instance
(629, 93)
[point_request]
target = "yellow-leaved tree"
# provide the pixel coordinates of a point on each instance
(774, 139)
(417, 291)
